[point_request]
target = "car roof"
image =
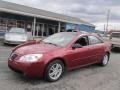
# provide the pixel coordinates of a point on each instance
(115, 32)
(81, 34)
(76, 33)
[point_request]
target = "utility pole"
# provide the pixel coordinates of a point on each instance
(104, 28)
(108, 16)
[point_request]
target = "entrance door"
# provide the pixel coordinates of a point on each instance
(81, 56)
(39, 30)
(52, 29)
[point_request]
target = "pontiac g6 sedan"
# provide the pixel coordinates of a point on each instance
(51, 57)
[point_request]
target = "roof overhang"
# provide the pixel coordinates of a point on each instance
(38, 13)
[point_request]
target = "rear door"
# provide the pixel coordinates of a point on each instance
(96, 47)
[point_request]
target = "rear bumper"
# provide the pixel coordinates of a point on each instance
(115, 46)
(29, 69)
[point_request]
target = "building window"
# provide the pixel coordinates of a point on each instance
(20, 24)
(11, 23)
(70, 27)
(3, 24)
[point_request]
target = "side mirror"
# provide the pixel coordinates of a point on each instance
(76, 46)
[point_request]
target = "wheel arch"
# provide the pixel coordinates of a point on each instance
(107, 52)
(57, 58)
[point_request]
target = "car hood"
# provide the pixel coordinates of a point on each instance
(36, 48)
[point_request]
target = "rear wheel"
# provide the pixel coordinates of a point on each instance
(54, 71)
(105, 60)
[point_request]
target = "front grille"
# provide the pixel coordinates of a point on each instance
(13, 56)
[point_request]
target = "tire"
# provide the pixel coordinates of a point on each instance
(51, 72)
(105, 60)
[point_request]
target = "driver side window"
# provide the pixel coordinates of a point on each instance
(83, 41)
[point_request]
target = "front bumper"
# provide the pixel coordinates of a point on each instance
(13, 42)
(29, 69)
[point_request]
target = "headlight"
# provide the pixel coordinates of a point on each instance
(7, 36)
(31, 57)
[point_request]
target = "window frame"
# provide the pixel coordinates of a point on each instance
(82, 37)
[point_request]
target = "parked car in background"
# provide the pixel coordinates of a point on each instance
(115, 39)
(75, 30)
(72, 30)
(17, 36)
(58, 53)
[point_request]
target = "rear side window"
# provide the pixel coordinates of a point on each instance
(94, 40)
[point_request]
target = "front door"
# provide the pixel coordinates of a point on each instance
(81, 56)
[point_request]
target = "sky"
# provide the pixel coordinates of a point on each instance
(93, 11)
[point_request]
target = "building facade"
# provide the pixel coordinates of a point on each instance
(41, 23)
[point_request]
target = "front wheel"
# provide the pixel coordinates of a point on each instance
(54, 71)
(105, 60)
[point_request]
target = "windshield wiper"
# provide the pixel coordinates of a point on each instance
(51, 43)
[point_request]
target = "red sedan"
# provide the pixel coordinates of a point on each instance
(61, 52)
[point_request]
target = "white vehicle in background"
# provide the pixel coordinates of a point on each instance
(115, 39)
(17, 36)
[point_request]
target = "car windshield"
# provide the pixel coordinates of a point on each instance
(117, 35)
(59, 39)
(17, 30)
